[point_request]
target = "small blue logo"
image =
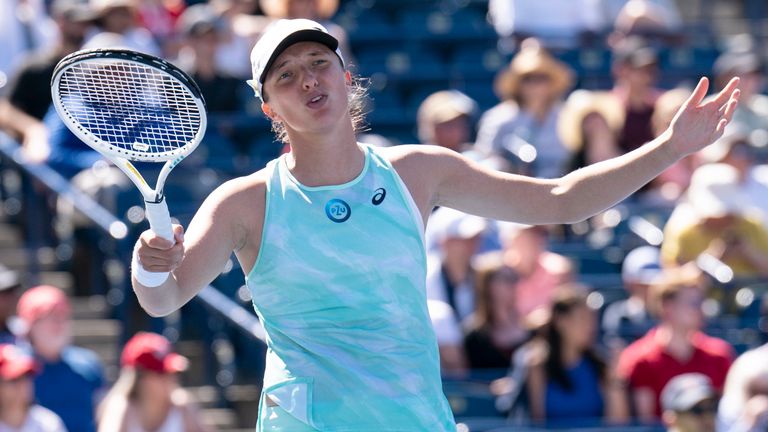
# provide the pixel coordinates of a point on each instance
(337, 210)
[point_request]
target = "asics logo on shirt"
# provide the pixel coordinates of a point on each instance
(337, 210)
(379, 196)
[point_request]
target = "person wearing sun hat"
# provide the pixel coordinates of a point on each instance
(122, 17)
(18, 411)
(444, 119)
(531, 90)
(47, 314)
(147, 395)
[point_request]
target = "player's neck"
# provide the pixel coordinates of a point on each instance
(323, 160)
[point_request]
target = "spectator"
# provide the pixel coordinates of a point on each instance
(316, 10)
(689, 403)
(203, 32)
(242, 27)
(494, 331)
(453, 359)
(147, 396)
(572, 384)
(531, 91)
(737, 148)
(444, 119)
(449, 271)
(9, 295)
(18, 412)
(589, 126)
(24, 28)
(656, 21)
(47, 313)
(675, 346)
(635, 70)
(719, 226)
(28, 92)
(744, 60)
(630, 318)
(744, 406)
(121, 17)
(540, 272)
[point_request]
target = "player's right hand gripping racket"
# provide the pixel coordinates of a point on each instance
(132, 107)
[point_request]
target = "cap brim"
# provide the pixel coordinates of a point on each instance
(19, 369)
(306, 35)
(174, 363)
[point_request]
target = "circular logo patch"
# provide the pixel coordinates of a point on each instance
(337, 210)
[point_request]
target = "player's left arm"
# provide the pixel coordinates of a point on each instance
(466, 185)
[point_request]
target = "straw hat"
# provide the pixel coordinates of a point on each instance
(532, 59)
(579, 105)
(279, 8)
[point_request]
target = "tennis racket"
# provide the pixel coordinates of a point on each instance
(132, 107)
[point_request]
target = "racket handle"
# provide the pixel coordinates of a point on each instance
(160, 223)
(159, 219)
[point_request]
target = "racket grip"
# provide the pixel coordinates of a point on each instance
(160, 223)
(159, 219)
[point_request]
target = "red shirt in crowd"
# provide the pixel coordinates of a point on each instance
(645, 364)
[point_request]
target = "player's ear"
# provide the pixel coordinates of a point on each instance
(268, 111)
(348, 77)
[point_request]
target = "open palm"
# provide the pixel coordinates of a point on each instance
(698, 123)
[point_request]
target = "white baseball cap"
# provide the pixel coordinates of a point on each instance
(280, 35)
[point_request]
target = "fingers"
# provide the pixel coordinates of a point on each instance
(157, 254)
(178, 233)
(727, 92)
(156, 260)
(698, 93)
(729, 108)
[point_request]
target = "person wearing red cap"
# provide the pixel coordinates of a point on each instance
(330, 236)
(147, 396)
(18, 413)
(47, 313)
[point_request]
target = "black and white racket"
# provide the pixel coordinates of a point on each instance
(132, 107)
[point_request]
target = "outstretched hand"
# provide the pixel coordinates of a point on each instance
(698, 123)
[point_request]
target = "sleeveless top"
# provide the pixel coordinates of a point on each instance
(339, 285)
(584, 401)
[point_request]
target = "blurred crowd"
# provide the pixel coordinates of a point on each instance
(505, 303)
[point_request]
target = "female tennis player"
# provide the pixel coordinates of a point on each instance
(330, 238)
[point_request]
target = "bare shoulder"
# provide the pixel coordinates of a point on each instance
(247, 190)
(420, 167)
(238, 205)
(415, 153)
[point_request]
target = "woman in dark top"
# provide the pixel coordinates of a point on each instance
(494, 331)
(570, 381)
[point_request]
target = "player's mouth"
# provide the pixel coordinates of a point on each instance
(317, 101)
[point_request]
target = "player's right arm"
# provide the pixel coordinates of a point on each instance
(229, 220)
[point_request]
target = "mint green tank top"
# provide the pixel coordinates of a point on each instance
(339, 285)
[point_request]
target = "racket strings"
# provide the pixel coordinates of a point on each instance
(130, 106)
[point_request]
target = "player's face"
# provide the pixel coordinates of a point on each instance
(306, 88)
